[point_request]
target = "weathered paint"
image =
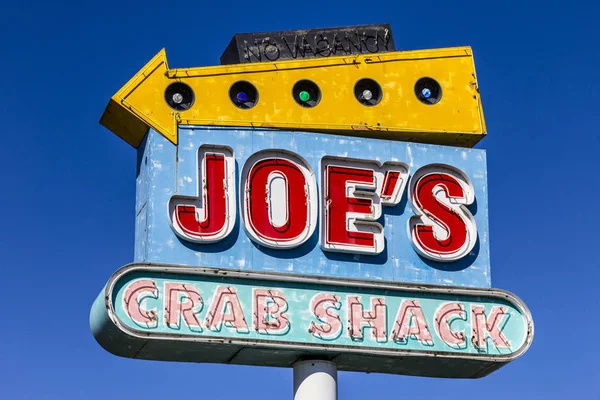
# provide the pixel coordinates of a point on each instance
(457, 119)
(170, 308)
(167, 171)
(250, 271)
(309, 43)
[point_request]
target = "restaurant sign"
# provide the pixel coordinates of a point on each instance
(161, 311)
(262, 247)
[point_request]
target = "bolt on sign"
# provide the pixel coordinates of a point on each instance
(262, 243)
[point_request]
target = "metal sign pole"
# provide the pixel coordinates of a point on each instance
(315, 380)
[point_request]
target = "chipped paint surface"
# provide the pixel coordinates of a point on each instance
(401, 114)
(164, 312)
(224, 306)
(166, 170)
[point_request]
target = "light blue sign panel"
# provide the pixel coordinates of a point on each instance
(166, 170)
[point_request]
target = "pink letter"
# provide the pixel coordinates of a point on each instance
(444, 316)
(134, 295)
(410, 322)
(375, 319)
(480, 326)
(225, 308)
(322, 306)
(182, 300)
(269, 312)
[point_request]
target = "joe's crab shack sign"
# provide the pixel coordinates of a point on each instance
(261, 247)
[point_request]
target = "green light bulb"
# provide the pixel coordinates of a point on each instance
(304, 96)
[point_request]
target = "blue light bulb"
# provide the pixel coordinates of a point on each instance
(426, 93)
(242, 97)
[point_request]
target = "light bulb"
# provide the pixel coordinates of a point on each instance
(242, 97)
(304, 96)
(177, 98)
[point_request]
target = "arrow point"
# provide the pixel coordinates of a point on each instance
(129, 116)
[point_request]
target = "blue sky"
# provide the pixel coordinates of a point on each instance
(68, 184)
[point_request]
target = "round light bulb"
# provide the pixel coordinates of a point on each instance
(242, 97)
(367, 95)
(304, 96)
(177, 98)
(426, 93)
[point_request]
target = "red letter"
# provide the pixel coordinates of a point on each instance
(135, 293)
(269, 312)
(443, 229)
(444, 316)
(182, 300)
(225, 308)
(410, 322)
(492, 325)
(376, 319)
(353, 193)
(279, 199)
(212, 219)
(322, 306)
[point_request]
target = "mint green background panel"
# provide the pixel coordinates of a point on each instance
(118, 333)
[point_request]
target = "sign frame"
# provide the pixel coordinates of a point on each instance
(119, 339)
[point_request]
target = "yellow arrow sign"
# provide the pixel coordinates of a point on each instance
(423, 96)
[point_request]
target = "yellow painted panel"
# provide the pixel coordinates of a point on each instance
(456, 119)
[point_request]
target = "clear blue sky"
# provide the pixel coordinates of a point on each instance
(67, 202)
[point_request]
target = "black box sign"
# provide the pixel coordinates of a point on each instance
(312, 43)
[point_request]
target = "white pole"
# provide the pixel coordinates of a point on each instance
(315, 380)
